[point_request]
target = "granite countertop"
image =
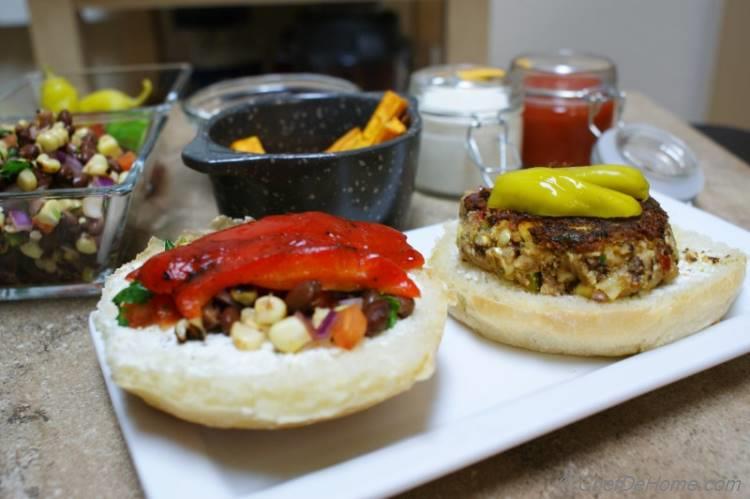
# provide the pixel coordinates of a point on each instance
(59, 435)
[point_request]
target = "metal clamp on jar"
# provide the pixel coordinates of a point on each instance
(471, 126)
(570, 99)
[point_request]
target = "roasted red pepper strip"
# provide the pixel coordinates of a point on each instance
(166, 271)
(339, 268)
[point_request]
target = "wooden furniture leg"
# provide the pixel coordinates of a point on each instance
(55, 34)
(467, 31)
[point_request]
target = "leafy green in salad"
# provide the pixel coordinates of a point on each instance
(134, 293)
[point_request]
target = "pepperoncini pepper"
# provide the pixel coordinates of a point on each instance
(604, 191)
(113, 100)
(57, 93)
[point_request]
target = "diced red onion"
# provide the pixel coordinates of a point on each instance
(324, 330)
(307, 322)
(73, 163)
(101, 181)
(20, 220)
(92, 207)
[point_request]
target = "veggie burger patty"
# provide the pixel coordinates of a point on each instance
(598, 258)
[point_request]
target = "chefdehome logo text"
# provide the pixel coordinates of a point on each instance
(645, 484)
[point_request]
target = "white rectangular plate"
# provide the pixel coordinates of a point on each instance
(484, 398)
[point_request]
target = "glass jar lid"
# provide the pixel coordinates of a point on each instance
(669, 164)
(565, 73)
(464, 90)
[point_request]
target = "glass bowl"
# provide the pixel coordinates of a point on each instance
(58, 264)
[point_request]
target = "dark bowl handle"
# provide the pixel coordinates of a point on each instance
(195, 155)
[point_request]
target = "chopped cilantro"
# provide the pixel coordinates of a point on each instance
(393, 314)
(13, 167)
(602, 259)
(4, 132)
(134, 293)
(168, 245)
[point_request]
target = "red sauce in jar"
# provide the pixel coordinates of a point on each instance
(555, 129)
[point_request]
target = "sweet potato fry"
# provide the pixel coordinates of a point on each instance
(392, 129)
(250, 144)
(347, 141)
(390, 106)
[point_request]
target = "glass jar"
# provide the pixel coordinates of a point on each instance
(570, 99)
(471, 118)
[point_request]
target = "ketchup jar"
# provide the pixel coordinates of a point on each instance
(570, 99)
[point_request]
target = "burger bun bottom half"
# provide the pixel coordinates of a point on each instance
(501, 311)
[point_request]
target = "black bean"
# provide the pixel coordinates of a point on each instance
(369, 296)
(302, 296)
(94, 226)
(229, 316)
(377, 313)
(114, 165)
(22, 136)
(224, 298)
(405, 306)
(43, 180)
(193, 332)
(87, 147)
(65, 117)
(68, 229)
(211, 317)
(80, 180)
(45, 118)
(29, 151)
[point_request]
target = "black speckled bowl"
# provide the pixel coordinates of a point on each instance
(373, 183)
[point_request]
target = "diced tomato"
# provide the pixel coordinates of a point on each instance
(159, 310)
(97, 129)
(349, 327)
(339, 268)
(126, 161)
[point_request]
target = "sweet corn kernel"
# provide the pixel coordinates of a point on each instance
(3, 150)
(48, 141)
(269, 310)
(78, 136)
(108, 146)
(26, 180)
(246, 337)
(247, 317)
(86, 244)
(244, 296)
(88, 274)
(35, 236)
(122, 177)
(289, 335)
(31, 249)
(97, 165)
(49, 165)
(46, 264)
(2, 217)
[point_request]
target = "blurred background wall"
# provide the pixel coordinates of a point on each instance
(663, 48)
(688, 55)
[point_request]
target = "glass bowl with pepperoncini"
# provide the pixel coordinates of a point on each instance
(73, 185)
